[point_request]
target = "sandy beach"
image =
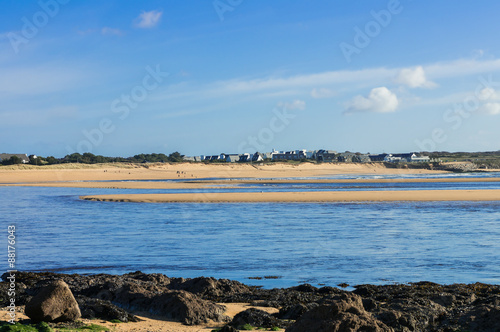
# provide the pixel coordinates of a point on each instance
(149, 323)
(306, 197)
(198, 175)
(189, 171)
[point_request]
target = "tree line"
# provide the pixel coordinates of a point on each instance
(89, 158)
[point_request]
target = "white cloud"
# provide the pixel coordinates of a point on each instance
(148, 19)
(414, 78)
(490, 108)
(461, 68)
(488, 94)
(356, 79)
(322, 93)
(364, 76)
(294, 105)
(86, 32)
(478, 53)
(380, 100)
(107, 31)
(342, 82)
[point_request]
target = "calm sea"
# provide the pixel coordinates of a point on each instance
(327, 243)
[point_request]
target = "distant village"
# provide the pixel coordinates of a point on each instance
(294, 155)
(316, 155)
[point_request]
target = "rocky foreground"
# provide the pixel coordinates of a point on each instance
(422, 306)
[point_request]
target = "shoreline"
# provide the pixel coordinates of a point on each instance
(188, 171)
(230, 183)
(161, 303)
(190, 176)
(305, 197)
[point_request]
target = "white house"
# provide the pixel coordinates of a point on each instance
(6, 156)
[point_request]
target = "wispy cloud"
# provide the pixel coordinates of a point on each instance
(107, 31)
(149, 19)
(461, 67)
(40, 116)
(489, 94)
(86, 32)
(295, 105)
(414, 78)
(490, 109)
(365, 76)
(380, 100)
(341, 85)
(419, 76)
(322, 93)
(41, 79)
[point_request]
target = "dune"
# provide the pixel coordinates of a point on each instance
(189, 171)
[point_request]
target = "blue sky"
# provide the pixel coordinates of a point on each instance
(119, 78)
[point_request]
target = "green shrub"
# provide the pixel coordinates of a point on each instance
(7, 327)
(44, 327)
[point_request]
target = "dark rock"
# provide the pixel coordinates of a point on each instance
(228, 328)
(365, 290)
(206, 287)
(187, 308)
(177, 305)
(305, 288)
(211, 288)
(342, 313)
(54, 303)
(445, 300)
(294, 312)
(256, 318)
(485, 318)
(94, 308)
(157, 278)
(422, 306)
(329, 290)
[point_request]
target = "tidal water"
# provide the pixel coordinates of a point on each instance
(321, 243)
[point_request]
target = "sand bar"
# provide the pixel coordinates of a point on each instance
(305, 181)
(190, 176)
(233, 183)
(187, 171)
(306, 197)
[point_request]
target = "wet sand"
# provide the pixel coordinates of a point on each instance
(232, 183)
(307, 197)
(195, 175)
(188, 171)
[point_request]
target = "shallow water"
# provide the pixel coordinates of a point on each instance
(320, 243)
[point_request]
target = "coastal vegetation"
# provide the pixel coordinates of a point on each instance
(45, 327)
(479, 160)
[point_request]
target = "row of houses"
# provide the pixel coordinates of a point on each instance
(6, 156)
(317, 155)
